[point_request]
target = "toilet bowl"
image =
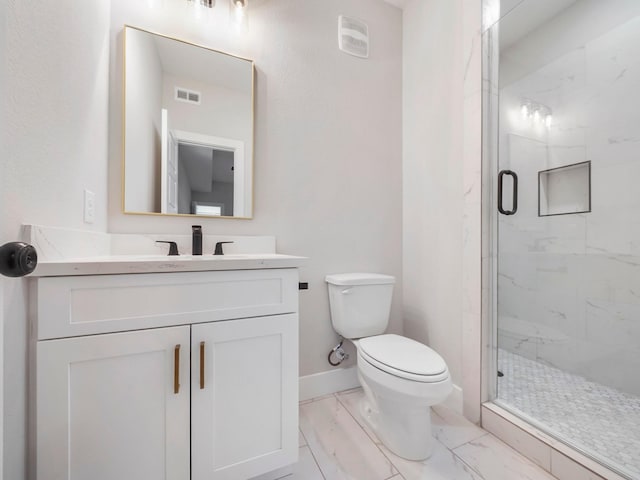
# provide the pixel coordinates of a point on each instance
(401, 378)
(397, 402)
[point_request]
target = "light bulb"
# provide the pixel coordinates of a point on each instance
(238, 13)
(536, 116)
(525, 111)
(547, 120)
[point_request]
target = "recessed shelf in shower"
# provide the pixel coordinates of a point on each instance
(565, 190)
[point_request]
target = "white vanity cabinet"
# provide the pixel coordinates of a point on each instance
(243, 393)
(106, 406)
(165, 375)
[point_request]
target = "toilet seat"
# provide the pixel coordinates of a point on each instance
(404, 358)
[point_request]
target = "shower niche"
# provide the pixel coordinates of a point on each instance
(565, 190)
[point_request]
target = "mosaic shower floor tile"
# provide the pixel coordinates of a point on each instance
(598, 419)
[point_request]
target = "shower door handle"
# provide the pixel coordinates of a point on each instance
(514, 204)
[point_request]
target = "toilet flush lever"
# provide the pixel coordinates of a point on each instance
(346, 291)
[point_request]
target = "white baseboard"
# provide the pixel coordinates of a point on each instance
(454, 400)
(331, 381)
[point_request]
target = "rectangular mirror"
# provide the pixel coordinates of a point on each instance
(188, 128)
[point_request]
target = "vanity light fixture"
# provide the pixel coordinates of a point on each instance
(203, 3)
(537, 112)
(237, 9)
(238, 12)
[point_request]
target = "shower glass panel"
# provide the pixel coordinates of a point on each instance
(564, 117)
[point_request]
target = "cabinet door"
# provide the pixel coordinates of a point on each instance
(244, 397)
(107, 407)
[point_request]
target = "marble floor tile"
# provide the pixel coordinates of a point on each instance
(315, 399)
(442, 465)
(451, 428)
(334, 445)
(494, 460)
(351, 401)
(340, 446)
(306, 468)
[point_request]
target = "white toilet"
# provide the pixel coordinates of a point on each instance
(401, 378)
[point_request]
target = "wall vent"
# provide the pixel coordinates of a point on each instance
(186, 95)
(353, 36)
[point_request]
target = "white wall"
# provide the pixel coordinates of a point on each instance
(144, 123)
(432, 184)
(327, 142)
(56, 146)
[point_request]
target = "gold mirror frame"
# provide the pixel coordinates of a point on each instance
(249, 162)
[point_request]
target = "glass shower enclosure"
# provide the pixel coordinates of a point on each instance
(562, 122)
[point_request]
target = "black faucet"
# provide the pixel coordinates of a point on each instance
(173, 247)
(196, 245)
(218, 250)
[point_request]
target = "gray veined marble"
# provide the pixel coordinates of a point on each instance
(338, 445)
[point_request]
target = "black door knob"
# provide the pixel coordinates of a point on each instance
(17, 259)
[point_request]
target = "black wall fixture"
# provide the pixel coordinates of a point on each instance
(17, 259)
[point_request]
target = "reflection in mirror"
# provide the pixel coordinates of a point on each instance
(188, 138)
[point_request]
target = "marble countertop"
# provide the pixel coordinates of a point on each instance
(122, 264)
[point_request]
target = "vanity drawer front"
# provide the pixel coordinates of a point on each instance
(86, 305)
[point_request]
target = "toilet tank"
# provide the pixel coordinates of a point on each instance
(360, 303)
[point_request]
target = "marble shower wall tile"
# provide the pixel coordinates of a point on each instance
(593, 361)
(523, 345)
(609, 277)
(626, 361)
(569, 285)
(615, 324)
